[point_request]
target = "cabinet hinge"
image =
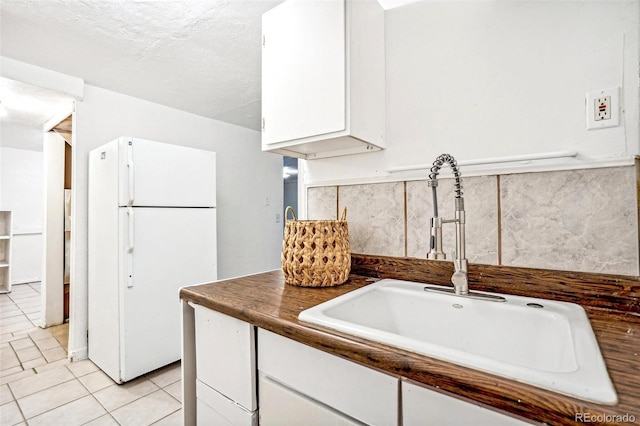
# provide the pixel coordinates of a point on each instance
(264, 40)
(264, 122)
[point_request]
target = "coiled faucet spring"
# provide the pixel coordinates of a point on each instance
(459, 278)
(437, 165)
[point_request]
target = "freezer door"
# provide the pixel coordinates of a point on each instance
(162, 249)
(157, 174)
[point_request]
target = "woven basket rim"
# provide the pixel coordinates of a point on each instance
(314, 221)
(342, 218)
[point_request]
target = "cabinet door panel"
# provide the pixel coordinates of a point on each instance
(303, 70)
(282, 406)
(214, 409)
(357, 391)
(225, 356)
(207, 416)
(421, 406)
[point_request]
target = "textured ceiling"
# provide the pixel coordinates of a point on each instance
(201, 56)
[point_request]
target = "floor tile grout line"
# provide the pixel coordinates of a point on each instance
(176, 399)
(13, 395)
(24, 295)
(15, 353)
(130, 402)
(170, 414)
(24, 418)
(106, 414)
(97, 399)
(42, 390)
(57, 406)
(84, 396)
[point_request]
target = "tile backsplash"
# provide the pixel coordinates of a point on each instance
(481, 210)
(375, 214)
(581, 220)
(576, 220)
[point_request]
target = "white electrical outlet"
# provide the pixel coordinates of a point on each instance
(603, 108)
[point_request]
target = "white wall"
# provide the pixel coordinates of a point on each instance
(21, 186)
(16, 135)
(249, 239)
(485, 79)
(21, 175)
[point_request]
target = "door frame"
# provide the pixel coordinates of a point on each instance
(52, 288)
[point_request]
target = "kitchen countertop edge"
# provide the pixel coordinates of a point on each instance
(264, 301)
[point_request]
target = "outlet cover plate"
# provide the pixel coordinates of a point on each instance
(597, 119)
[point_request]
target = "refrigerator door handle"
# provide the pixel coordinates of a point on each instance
(130, 216)
(131, 172)
(129, 255)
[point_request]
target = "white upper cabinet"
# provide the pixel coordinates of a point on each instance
(323, 82)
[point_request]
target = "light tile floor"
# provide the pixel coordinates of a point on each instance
(40, 386)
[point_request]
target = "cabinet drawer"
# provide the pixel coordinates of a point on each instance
(225, 356)
(215, 409)
(208, 416)
(422, 406)
(280, 405)
(359, 392)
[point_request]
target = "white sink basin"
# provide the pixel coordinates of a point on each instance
(536, 341)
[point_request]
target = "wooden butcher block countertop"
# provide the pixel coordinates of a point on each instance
(612, 304)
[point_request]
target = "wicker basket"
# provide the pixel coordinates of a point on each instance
(316, 253)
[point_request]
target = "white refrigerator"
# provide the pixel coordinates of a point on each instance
(152, 230)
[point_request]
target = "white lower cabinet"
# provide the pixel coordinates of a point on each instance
(225, 369)
(355, 391)
(214, 409)
(301, 385)
(423, 407)
(280, 405)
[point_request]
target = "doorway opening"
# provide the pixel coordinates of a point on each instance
(290, 180)
(30, 118)
(57, 288)
(56, 283)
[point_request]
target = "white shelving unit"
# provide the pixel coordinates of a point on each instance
(5, 251)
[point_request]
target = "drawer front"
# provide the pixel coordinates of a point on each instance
(207, 416)
(225, 356)
(215, 409)
(280, 405)
(422, 406)
(357, 391)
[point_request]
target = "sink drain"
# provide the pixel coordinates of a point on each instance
(457, 306)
